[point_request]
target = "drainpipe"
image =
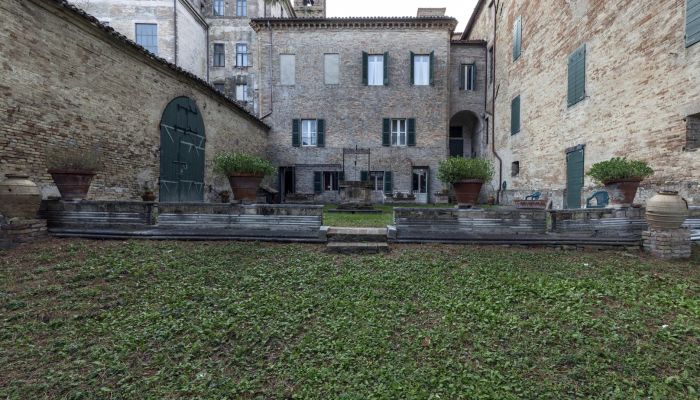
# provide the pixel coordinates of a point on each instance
(269, 28)
(493, 108)
(175, 27)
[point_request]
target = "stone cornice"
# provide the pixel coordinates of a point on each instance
(446, 23)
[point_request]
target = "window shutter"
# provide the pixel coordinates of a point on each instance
(296, 137)
(388, 182)
(692, 23)
(364, 176)
(577, 76)
(462, 76)
(341, 176)
(515, 116)
(365, 74)
(432, 68)
(321, 133)
(386, 69)
(318, 182)
(473, 77)
(413, 68)
(386, 132)
(517, 38)
(411, 132)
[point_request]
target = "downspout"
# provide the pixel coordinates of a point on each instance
(269, 28)
(175, 27)
(493, 108)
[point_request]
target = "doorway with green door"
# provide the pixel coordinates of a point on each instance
(574, 176)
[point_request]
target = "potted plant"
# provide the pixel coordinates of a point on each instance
(149, 194)
(621, 178)
(72, 169)
(466, 175)
(245, 172)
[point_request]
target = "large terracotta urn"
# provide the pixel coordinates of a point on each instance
(19, 197)
(622, 192)
(73, 185)
(467, 191)
(667, 210)
(245, 186)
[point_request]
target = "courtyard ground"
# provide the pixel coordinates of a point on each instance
(360, 220)
(103, 320)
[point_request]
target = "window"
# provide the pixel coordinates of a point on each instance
(515, 168)
(287, 69)
(241, 8)
(515, 116)
(242, 55)
(692, 132)
(375, 70)
(468, 77)
(218, 8)
(220, 87)
(421, 68)
(376, 179)
(309, 132)
(692, 22)
(219, 55)
(398, 132)
(147, 36)
(308, 3)
(242, 92)
(577, 76)
(330, 181)
(331, 69)
(517, 38)
(490, 62)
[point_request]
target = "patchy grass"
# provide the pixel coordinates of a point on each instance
(99, 320)
(369, 220)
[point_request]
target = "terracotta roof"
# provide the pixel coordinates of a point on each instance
(118, 37)
(472, 20)
(260, 23)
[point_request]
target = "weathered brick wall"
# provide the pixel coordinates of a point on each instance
(65, 80)
(641, 84)
(353, 112)
(473, 102)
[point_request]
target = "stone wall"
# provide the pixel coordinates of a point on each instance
(641, 84)
(68, 81)
(17, 231)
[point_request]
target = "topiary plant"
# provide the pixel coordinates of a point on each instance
(456, 169)
(620, 169)
(229, 163)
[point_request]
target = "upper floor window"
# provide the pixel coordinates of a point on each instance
(491, 70)
(147, 36)
(692, 22)
(467, 79)
(287, 69)
(577, 76)
(309, 132)
(241, 8)
(517, 38)
(219, 55)
(515, 116)
(242, 92)
(219, 86)
(242, 55)
(218, 8)
(398, 132)
(421, 70)
(375, 69)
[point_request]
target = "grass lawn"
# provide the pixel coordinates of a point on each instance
(125, 320)
(369, 220)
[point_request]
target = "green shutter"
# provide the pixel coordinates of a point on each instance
(515, 116)
(574, 178)
(386, 132)
(517, 38)
(432, 68)
(411, 132)
(386, 69)
(318, 182)
(692, 22)
(577, 76)
(365, 61)
(462, 76)
(413, 68)
(388, 182)
(364, 176)
(341, 176)
(296, 136)
(321, 133)
(473, 77)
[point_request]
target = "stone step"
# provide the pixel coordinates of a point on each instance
(373, 235)
(357, 247)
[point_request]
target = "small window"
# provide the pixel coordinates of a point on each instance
(287, 69)
(515, 116)
(577, 76)
(330, 181)
(398, 132)
(375, 70)
(309, 132)
(242, 92)
(218, 8)
(517, 38)
(308, 3)
(147, 36)
(241, 8)
(220, 87)
(242, 55)
(693, 132)
(331, 69)
(515, 168)
(376, 179)
(469, 77)
(421, 68)
(491, 65)
(219, 55)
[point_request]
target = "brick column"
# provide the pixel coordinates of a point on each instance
(671, 244)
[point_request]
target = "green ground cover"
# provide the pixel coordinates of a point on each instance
(128, 320)
(368, 220)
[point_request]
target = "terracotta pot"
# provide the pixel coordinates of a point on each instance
(19, 197)
(225, 197)
(73, 185)
(667, 210)
(467, 191)
(622, 192)
(245, 186)
(149, 196)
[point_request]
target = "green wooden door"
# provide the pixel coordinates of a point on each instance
(574, 177)
(182, 140)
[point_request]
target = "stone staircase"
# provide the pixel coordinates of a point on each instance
(357, 240)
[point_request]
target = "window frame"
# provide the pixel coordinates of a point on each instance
(222, 61)
(139, 36)
(244, 86)
(371, 71)
(333, 177)
(219, 5)
(219, 86)
(241, 8)
(470, 77)
(427, 69)
(396, 133)
(242, 58)
(312, 135)
(374, 179)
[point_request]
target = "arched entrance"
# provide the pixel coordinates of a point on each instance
(182, 141)
(465, 133)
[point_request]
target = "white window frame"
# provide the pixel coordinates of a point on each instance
(399, 132)
(241, 8)
(334, 179)
(309, 133)
(421, 70)
(375, 70)
(374, 177)
(242, 56)
(223, 54)
(137, 37)
(469, 77)
(218, 8)
(242, 88)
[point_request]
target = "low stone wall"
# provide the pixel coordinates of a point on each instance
(16, 231)
(673, 244)
(605, 223)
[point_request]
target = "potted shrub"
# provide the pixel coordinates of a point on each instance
(148, 195)
(72, 169)
(621, 178)
(245, 172)
(466, 175)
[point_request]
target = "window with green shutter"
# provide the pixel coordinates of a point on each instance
(386, 132)
(365, 68)
(515, 116)
(517, 38)
(577, 76)
(321, 133)
(388, 182)
(411, 132)
(692, 22)
(296, 135)
(318, 182)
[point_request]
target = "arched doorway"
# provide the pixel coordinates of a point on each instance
(182, 141)
(465, 133)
